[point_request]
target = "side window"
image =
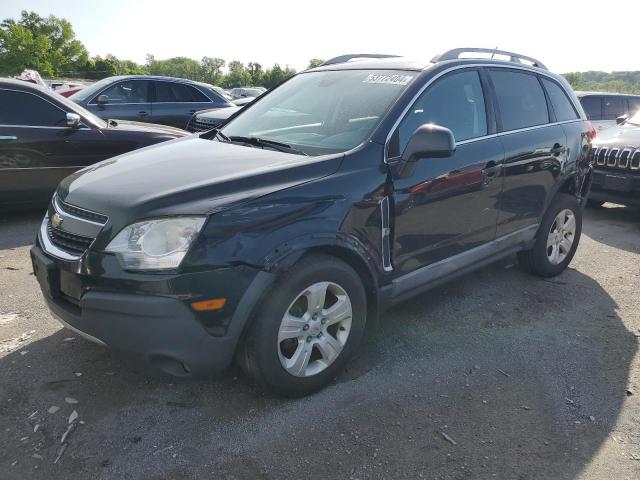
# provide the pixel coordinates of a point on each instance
(562, 106)
(178, 93)
(455, 102)
(130, 91)
(21, 108)
(521, 101)
(592, 105)
(634, 105)
(612, 107)
(197, 95)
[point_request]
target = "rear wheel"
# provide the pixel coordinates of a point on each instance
(557, 239)
(310, 325)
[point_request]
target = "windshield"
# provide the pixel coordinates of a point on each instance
(74, 107)
(322, 112)
(91, 90)
(635, 119)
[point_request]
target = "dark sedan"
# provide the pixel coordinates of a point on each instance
(164, 100)
(45, 137)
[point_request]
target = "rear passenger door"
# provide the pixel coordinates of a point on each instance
(126, 100)
(174, 103)
(535, 149)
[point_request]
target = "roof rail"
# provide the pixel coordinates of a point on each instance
(513, 57)
(346, 58)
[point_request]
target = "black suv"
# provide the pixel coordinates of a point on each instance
(615, 157)
(347, 189)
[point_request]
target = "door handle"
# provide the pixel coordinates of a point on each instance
(7, 138)
(491, 169)
(142, 113)
(557, 150)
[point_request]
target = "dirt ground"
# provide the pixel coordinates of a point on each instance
(496, 375)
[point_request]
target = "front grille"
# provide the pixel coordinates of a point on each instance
(80, 212)
(616, 158)
(196, 125)
(69, 242)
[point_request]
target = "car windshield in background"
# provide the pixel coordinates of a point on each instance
(91, 90)
(74, 107)
(635, 119)
(322, 112)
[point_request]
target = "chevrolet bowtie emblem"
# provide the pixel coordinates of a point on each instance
(56, 220)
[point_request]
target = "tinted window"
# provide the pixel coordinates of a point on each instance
(561, 104)
(520, 99)
(178, 92)
(130, 91)
(20, 108)
(455, 102)
(634, 105)
(612, 107)
(592, 106)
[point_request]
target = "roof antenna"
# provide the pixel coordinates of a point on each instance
(494, 52)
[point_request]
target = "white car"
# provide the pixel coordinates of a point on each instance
(603, 109)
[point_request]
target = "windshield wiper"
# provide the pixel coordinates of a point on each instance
(263, 142)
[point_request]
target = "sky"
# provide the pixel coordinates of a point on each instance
(561, 34)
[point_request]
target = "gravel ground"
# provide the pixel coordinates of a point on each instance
(497, 375)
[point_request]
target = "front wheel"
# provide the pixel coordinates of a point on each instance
(306, 328)
(557, 239)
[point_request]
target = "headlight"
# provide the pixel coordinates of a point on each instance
(157, 244)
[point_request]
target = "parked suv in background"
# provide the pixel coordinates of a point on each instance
(164, 100)
(603, 109)
(45, 137)
(615, 157)
(349, 188)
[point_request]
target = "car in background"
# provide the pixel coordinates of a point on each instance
(244, 92)
(603, 109)
(615, 156)
(45, 137)
(70, 89)
(208, 119)
(165, 100)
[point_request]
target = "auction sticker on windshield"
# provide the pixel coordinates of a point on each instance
(388, 79)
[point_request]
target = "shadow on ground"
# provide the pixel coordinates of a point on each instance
(614, 225)
(19, 229)
(496, 376)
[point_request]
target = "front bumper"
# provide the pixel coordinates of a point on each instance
(151, 323)
(616, 186)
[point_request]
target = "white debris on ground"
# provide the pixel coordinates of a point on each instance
(71, 401)
(53, 409)
(6, 318)
(11, 344)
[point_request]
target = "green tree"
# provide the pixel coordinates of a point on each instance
(315, 62)
(181, 67)
(237, 76)
(256, 73)
(211, 70)
(276, 75)
(45, 44)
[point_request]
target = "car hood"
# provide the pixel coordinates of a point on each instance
(620, 136)
(217, 113)
(145, 127)
(187, 176)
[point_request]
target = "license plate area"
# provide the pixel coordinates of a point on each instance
(70, 285)
(617, 182)
(47, 275)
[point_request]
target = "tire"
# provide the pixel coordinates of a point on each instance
(274, 357)
(550, 256)
(594, 203)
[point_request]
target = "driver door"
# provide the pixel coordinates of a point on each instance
(448, 207)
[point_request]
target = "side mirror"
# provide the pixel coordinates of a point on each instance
(621, 119)
(428, 141)
(73, 120)
(103, 100)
